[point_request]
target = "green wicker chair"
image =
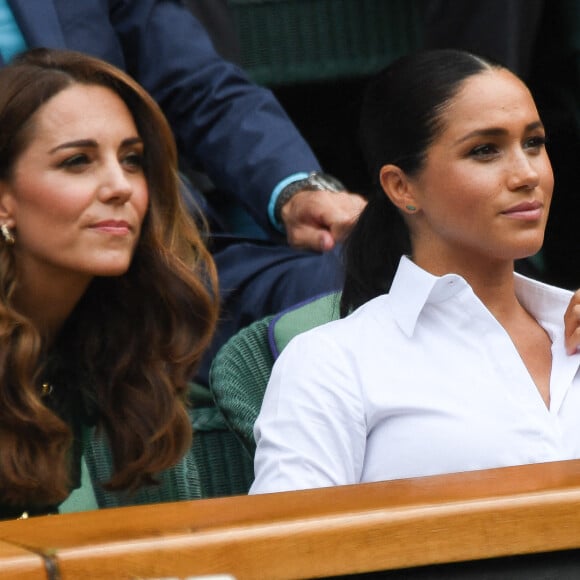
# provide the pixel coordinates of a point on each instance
(216, 465)
(241, 369)
(238, 378)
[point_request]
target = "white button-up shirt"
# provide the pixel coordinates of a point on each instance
(420, 381)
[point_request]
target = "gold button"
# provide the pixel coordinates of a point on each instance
(46, 389)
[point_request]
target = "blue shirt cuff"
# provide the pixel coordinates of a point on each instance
(276, 192)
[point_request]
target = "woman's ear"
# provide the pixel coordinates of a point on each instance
(7, 205)
(398, 188)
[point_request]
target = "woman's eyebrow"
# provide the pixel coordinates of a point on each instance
(497, 131)
(72, 144)
(92, 143)
(131, 141)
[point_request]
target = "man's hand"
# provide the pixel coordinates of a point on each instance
(317, 220)
(572, 324)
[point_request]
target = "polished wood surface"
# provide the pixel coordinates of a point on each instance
(19, 563)
(317, 533)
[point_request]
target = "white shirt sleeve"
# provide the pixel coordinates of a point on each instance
(311, 431)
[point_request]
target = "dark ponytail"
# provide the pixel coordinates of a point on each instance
(372, 252)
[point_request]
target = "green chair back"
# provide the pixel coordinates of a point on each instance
(238, 377)
(242, 367)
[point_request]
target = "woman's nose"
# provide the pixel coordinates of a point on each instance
(523, 172)
(116, 185)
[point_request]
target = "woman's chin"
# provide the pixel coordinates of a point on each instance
(110, 270)
(529, 248)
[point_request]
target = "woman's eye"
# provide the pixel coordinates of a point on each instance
(134, 161)
(484, 151)
(536, 142)
(74, 162)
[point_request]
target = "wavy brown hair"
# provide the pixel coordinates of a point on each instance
(138, 337)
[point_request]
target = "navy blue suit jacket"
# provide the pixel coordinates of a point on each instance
(228, 127)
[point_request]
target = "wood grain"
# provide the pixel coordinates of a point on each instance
(19, 563)
(324, 532)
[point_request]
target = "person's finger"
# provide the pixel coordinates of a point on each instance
(318, 219)
(311, 237)
(572, 324)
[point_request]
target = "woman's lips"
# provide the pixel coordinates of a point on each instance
(114, 227)
(527, 211)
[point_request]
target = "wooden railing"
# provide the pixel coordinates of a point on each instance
(427, 521)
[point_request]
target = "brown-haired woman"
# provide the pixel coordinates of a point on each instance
(107, 292)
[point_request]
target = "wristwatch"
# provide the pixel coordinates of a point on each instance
(315, 181)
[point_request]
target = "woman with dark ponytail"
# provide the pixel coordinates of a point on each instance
(445, 358)
(399, 119)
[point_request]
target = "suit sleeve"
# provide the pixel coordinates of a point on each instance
(235, 130)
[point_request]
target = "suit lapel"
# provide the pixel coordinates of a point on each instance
(39, 22)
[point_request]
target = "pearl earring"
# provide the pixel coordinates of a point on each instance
(7, 234)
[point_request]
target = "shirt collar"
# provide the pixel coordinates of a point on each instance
(547, 304)
(413, 288)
